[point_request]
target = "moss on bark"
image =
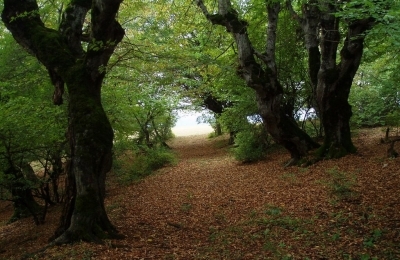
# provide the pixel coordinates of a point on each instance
(333, 148)
(90, 132)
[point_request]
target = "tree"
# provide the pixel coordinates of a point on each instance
(23, 110)
(375, 98)
(141, 114)
(77, 60)
(323, 23)
(260, 72)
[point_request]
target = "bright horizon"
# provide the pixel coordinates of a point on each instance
(187, 125)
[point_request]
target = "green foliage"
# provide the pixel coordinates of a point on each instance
(393, 118)
(142, 163)
(312, 126)
(31, 127)
(363, 9)
(373, 238)
(143, 115)
(375, 101)
(375, 98)
(368, 108)
(251, 144)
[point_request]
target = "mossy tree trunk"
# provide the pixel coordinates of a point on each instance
(263, 77)
(334, 84)
(82, 70)
(91, 137)
(331, 79)
(335, 81)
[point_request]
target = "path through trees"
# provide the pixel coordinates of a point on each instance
(209, 206)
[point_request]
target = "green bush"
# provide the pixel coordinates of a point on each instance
(158, 158)
(251, 145)
(143, 163)
(393, 118)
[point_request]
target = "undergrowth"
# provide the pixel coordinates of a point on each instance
(251, 145)
(132, 167)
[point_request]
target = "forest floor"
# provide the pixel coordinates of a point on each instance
(209, 206)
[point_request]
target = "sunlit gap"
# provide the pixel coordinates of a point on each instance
(189, 123)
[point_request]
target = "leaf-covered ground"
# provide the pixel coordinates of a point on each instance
(209, 206)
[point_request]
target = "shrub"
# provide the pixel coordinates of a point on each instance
(142, 163)
(251, 145)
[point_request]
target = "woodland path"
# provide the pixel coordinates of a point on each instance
(188, 211)
(209, 206)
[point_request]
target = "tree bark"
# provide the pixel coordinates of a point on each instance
(309, 23)
(334, 84)
(56, 172)
(331, 80)
(21, 190)
(264, 80)
(90, 134)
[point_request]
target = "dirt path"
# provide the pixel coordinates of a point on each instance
(174, 213)
(209, 206)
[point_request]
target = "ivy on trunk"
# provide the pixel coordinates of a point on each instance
(82, 70)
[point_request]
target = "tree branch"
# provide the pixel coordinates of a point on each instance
(295, 15)
(273, 12)
(71, 25)
(22, 18)
(106, 33)
(310, 25)
(227, 17)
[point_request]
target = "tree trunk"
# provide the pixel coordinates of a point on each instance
(332, 81)
(21, 191)
(90, 138)
(218, 128)
(264, 81)
(335, 80)
(90, 133)
(56, 172)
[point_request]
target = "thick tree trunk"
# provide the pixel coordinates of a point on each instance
(332, 81)
(90, 133)
(264, 81)
(218, 128)
(335, 81)
(335, 113)
(90, 138)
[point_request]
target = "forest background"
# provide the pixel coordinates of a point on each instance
(176, 56)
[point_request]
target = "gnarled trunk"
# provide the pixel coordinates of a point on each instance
(269, 92)
(335, 80)
(335, 113)
(331, 80)
(90, 133)
(90, 139)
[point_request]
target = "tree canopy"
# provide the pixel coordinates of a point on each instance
(279, 72)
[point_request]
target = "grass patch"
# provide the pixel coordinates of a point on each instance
(266, 234)
(132, 167)
(273, 233)
(341, 185)
(186, 207)
(290, 177)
